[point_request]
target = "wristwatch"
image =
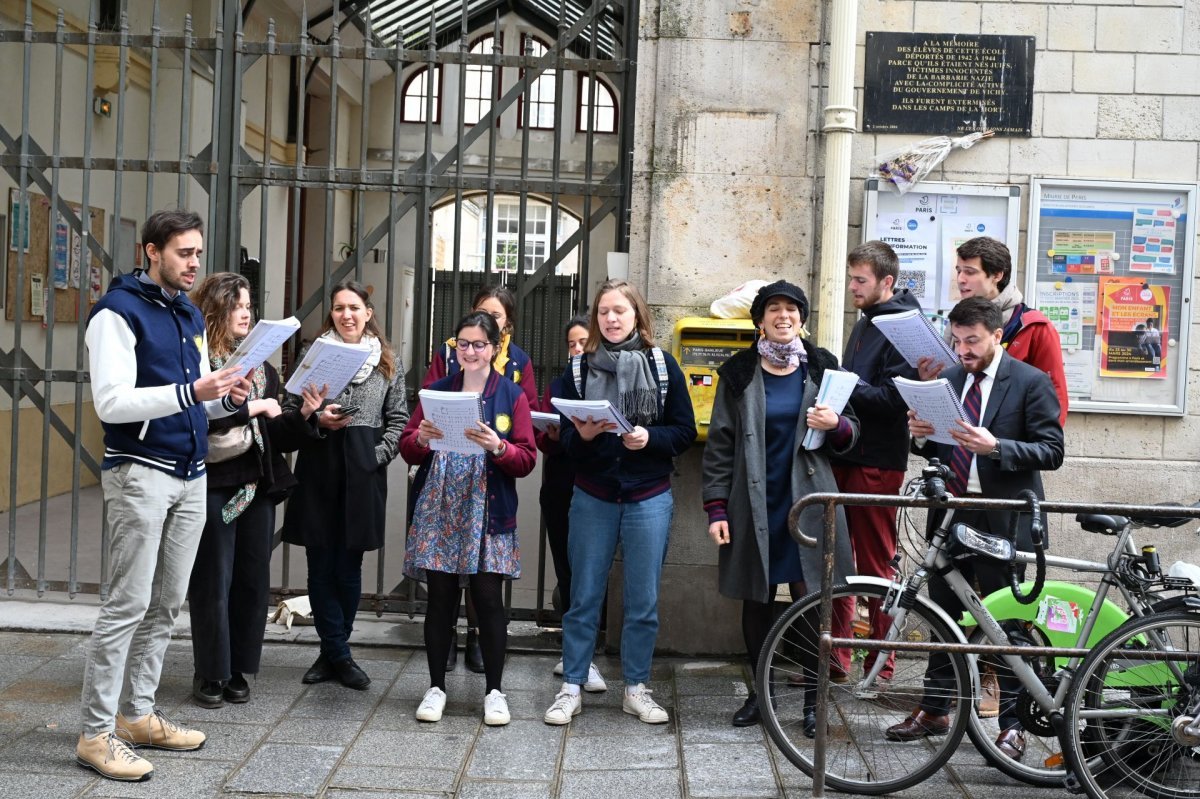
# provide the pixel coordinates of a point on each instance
(499, 450)
(995, 453)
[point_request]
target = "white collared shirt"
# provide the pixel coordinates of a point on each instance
(985, 392)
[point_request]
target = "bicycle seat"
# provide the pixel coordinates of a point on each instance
(1101, 523)
(1164, 521)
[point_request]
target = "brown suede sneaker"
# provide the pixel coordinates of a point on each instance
(159, 732)
(112, 758)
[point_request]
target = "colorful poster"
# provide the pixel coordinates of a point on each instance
(1153, 246)
(60, 250)
(76, 257)
(1132, 319)
(914, 238)
(1069, 307)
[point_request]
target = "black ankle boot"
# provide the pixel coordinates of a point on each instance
(747, 715)
(473, 656)
(207, 693)
(452, 655)
(237, 690)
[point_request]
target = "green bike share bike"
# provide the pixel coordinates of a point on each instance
(882, 689)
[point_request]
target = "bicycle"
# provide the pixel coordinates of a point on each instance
(858, 758)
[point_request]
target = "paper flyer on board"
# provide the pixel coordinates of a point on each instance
(1132, 329)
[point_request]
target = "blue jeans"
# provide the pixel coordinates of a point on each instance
(334, 588)
(597, 527)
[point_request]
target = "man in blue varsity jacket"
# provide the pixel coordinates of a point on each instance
(154, 393)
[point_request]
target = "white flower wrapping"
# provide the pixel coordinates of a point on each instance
(907, 166)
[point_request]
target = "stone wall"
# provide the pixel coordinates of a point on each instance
(728, 170)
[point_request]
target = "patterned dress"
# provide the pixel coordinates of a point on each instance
(447, 533)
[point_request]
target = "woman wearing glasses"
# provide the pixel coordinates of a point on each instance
(512, 362)
(465, 519)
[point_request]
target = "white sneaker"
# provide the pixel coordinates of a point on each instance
(432, 705)
(566, 707)
(595, 683)
(495, 709)
(558, 669)
(645, 708)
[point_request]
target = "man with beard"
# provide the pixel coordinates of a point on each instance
(154, 393)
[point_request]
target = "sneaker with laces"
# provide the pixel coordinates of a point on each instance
(566, 707)
(156, 731)
(432, 705)
(112, 757)
(595, 683)
(558, 669)
(638, 702)
(495, 709)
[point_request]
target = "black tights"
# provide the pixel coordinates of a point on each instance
(757, 618)
(441, 616)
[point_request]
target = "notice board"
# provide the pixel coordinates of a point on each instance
(925, 226)
(1112, 264)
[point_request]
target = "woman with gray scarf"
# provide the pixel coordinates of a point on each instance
(755, 469)
(622, 492)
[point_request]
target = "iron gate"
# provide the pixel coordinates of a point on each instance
(303, 141)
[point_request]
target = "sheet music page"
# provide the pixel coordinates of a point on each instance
(328, 362)
(453, 412)
(914, 337)
(598, 410)
(266, 337)
(936, 402)
(542, 420)
(836, 388)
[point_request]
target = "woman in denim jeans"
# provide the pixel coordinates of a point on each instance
(622, 492)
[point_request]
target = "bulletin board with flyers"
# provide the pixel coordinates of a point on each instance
(1111, 263)
(926, 224)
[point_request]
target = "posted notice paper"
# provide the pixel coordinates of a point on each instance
(936, 402)
(836, 388)
(266, 337)
(912, 334)
(598, 410)
(453, 412)
(328, 363)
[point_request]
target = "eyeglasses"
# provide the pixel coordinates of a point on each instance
(478, 346)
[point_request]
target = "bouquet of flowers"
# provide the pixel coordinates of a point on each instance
(908, 166)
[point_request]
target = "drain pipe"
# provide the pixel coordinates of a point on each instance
(840, 122)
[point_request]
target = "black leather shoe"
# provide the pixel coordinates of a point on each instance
(237, 690)
(918, 725)
(320, 671)
(452, 655)
(810, 723)
(473, 656)
(1012, 743)
(748, 715)
(351, 675)
(207, 693)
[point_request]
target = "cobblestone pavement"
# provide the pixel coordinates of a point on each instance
(327, 741)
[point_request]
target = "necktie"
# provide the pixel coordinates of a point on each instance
(960, 458)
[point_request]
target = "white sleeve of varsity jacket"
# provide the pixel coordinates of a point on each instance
(113, 363)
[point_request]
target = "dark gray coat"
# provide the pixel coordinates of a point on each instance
(735, 470)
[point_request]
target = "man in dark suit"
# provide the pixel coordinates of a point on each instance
(1014, 433)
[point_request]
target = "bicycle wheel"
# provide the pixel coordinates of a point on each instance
(858, 758)
(1133, 710)
(1043, 763)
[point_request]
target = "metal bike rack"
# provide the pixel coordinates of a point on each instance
(826, 641)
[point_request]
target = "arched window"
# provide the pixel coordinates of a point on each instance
(541, 92)
(606, 106)
(416, 90)
(480, 93)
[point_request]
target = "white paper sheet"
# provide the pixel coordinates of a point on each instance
(836, 388)
(453, 412)
(914, 337)
(597, 410)
(936, 402)
(328, 362)
(266, 337)
(542, 420)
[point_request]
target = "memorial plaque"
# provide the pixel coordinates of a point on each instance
(945, 83)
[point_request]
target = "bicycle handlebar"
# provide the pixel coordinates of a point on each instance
(1039, 551)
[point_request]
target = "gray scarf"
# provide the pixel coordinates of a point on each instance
(622, 374)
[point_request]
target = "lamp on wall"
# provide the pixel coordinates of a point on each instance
(102, 106)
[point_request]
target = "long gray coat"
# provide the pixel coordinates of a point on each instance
(735, 470)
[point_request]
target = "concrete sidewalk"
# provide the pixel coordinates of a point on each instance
(293, 740)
